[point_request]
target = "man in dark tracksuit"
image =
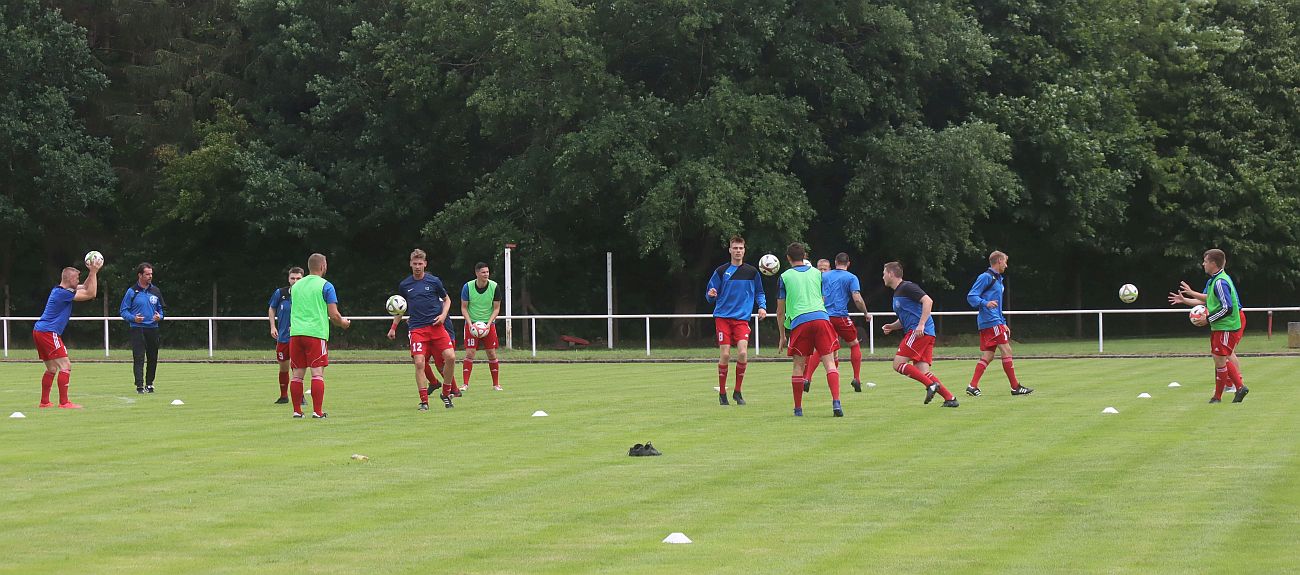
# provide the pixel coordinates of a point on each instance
(142, 307)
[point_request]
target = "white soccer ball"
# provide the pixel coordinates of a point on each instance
(479, 329)
(1197, 315)
(94, 257)
(1128, 293)
(769, 265)
(396, 305)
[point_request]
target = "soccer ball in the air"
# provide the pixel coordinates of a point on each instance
(94, 257)
(1128, 293)
(396, 305)
(478, 329)
(1197, 315)
(769, 265)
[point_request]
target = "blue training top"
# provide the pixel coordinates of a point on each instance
(988, 287)
(740, 288)
(58, 308)
(282, 305)
(143, 302)
(838, 287)
(907, 305)
(423, 299)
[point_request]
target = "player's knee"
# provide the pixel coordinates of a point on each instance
(724, 357)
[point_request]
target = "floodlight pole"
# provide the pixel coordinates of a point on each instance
(510, 342)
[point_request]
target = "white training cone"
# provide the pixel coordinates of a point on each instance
(1110, 410)
(359, 457)
(715, 388)
(539, 413)
(17, 415)
(1144, 395)
(177, 402)
(871, 384)
(1174, 384)
(677, 538)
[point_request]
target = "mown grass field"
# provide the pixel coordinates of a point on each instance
(229, 483)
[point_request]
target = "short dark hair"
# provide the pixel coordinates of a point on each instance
(736, 239)
(796, 252)
(296, 270)
(1217, 257)
(841, 258)
(139, 269)
(894, 268)
(479, 266)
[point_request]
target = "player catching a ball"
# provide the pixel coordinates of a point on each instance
(734, 289)
(48, 331)
(1226, 320)
(480, 301)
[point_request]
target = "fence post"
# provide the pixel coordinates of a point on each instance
(756, 322)
(211, 325)
(647, 336)
(871, 335)
(1101, 347)
(105, 337)
(532, 335)
(6, 336)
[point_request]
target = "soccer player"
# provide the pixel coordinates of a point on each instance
(277, 313)
(823, 265)
(1225, 318)
(839, 287)
(427, 305)
(799, 308)
(48, 331)
(480, 300)
(734, 289)
(315, 306)
(986, 296)
(143, 309)
(916, 351)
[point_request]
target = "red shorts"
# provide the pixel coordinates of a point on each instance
(430, 339)
(813, 338)
(844, 328)
(1225, 342)
(49, 345)
(917, 346)
(306, 351)
(731, 331)
(488, 341)
(992, 337)
(281, 351)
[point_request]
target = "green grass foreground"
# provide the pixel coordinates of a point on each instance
(229, 483)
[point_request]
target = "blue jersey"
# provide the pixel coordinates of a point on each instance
(423, 299)
(907, 306)
(988, 287)
(58, 308)
(144, 302)
(740, 288)
(282, 305)
(838, 287)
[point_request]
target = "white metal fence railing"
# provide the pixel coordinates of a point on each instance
(531, 321)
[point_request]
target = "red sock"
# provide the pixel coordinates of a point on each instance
(1011, 372)
(318, 394)
(943, 391)
(810, 366)
(1234, 374)
(465, 368)
(740, 375)
(722, 378)
(47, 383)
(63, 377)
(295, 394)
(284, 385)
(1220, 381)
(833, 380)
(911, 371)
(430, 375)
(495, 367)
(855, 356)
(424, 395)
(797, 384)
(980, 366)
(448, 388)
